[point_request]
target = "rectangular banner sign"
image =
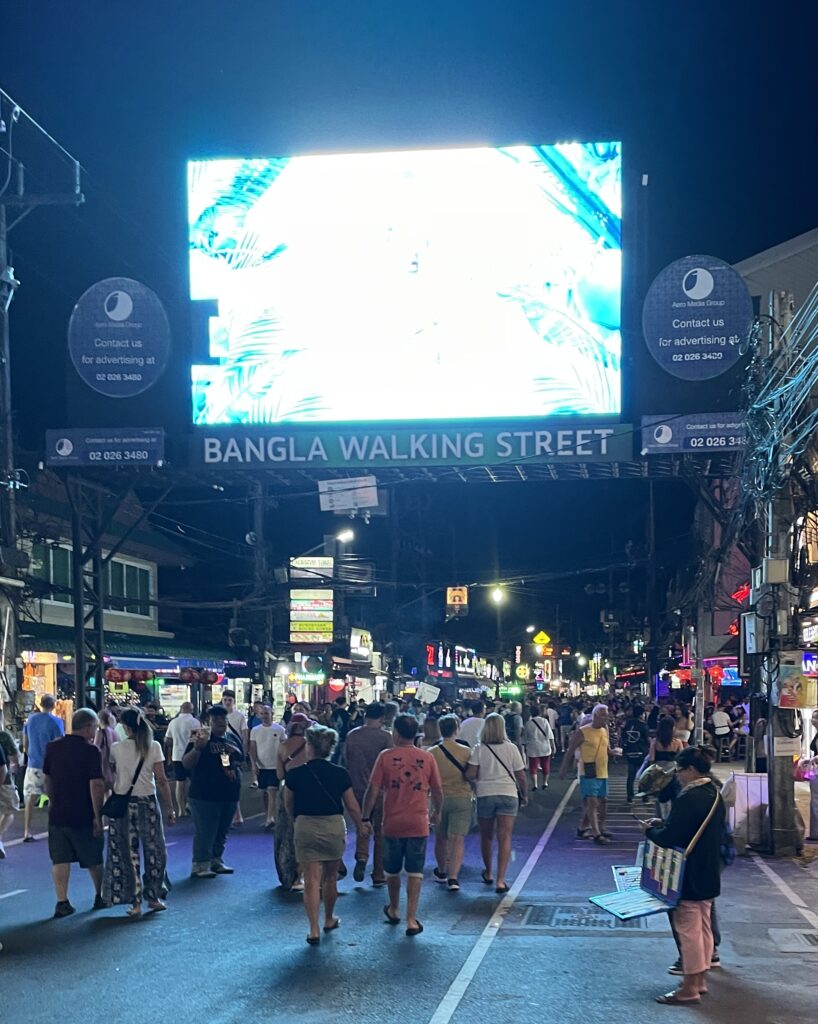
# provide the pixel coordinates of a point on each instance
(317, 568)
(105, 446)
(693, 432)
(311, 616)
(523, 443)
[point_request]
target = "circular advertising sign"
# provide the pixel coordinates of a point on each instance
(119, 337)
(696, 315)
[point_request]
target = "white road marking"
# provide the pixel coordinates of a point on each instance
(14, 892)
(785, 890)
(16, 842)
(453, 997)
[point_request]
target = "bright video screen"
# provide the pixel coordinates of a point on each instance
(454, 284)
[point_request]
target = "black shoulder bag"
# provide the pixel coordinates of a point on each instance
(116, 806)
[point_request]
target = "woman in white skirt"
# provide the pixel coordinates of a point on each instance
(316, 796)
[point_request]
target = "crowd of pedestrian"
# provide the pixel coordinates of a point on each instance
(394, 770)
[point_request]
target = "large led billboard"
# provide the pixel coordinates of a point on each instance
(468, 284)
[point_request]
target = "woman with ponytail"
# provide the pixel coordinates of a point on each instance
(138, 762)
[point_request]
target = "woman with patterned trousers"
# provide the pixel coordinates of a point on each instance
(138, 761)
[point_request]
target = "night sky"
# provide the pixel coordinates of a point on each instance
(715, 101)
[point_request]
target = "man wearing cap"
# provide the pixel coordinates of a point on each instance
(213, 758)
(360, 754)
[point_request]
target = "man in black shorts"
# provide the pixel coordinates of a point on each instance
(264, 742)
(76, 791)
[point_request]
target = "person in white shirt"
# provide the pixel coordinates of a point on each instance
(722, 730)
(472, 727)
(497, 769)
(177, 738)
(237, 727)
(264, 743)
(553, 717)
(141, 825)
(539, 746)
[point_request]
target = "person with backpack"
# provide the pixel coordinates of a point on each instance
(539, 747)
(514, 724)
(635, 746)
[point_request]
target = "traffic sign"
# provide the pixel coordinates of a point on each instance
(542, 638)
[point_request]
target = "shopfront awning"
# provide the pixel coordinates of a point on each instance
(126, 647)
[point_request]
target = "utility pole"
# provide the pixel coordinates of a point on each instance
(16, 202)
(778, 520)
(653, 618)
(261, 578)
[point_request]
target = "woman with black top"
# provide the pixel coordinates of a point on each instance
(317, 794)
(697, 813)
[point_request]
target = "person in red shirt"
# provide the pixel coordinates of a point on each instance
(406, 776)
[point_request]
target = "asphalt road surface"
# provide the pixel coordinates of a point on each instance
(232, 950)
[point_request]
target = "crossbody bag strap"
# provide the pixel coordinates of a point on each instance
(237, 735)
(692, 844)
(135, 776)
(295, 753)
(511, 774)
(547, 737)
(450, 757)
(321, 784)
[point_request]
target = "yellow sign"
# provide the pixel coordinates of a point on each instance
(542, 638)
(457, 595)
(522, 672)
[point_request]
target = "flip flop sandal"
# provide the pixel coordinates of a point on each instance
(389, 918)
(416, 930)
(488, 881)
(502, 888)
(332, 927)
(671, 999)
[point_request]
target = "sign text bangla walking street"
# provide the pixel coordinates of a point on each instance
(454, 446)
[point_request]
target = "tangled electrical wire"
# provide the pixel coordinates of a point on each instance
(780, 404)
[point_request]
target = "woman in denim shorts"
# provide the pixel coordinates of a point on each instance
(497, 767)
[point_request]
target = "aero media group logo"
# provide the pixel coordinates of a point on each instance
(64, 447)
(663, 434)
(118, 305)
(698, 283)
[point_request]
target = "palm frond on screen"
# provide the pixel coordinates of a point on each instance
(251, 382)
(220, 195)
(583, 372)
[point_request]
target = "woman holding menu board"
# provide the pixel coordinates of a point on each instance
(696, 822)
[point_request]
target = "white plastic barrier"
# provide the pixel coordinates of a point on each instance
(745, 794)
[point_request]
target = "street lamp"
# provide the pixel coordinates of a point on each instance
(530, 629)
(498, 595)
(344, 537)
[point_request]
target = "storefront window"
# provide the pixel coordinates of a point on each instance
(53, 564)
(128, 587)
